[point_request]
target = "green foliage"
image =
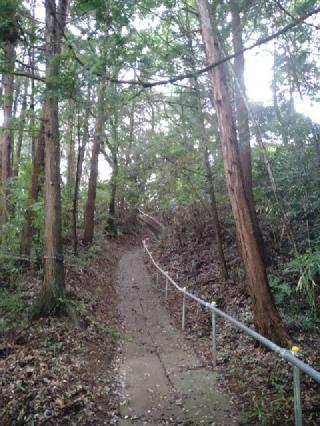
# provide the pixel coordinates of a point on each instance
(280, 290)
(10, 301)
(107, 12)
(11, 231)
(269, 412)
(8, 21)
(307, 266)
(12, 308)
(53, 346)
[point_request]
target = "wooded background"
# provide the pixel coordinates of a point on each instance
(112, 106)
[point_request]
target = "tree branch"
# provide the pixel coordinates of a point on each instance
(277, 2)
(106, 156)
(149, 84)
(22, 73)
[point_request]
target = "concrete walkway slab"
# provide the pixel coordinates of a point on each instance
(163, 379)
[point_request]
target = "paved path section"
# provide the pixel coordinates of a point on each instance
(163, 380)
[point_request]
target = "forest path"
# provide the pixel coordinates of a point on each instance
(163, 380)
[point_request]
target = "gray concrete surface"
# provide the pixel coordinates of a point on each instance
(163, 380)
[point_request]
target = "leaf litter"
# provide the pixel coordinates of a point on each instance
(55, 372)
(257, 380)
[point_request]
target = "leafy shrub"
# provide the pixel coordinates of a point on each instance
(12, 308)
(280, 290)
(307, 266)
(11, 231)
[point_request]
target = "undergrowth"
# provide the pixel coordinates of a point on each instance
(13, 310)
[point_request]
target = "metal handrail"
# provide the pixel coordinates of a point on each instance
(288, 355)
(161, 226)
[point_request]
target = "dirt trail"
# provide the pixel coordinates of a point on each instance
(163, 380)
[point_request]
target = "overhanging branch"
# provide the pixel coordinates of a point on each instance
(149, 84)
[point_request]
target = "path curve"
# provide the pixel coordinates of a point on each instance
(163, 380)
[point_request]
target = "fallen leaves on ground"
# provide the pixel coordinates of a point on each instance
(53, 372)
(258, 380)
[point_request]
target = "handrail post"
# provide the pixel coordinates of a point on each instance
(296, 390)
(213, 341)
(183, 309)
(166, 287)
(290, 356)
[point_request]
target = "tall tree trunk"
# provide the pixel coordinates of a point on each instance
(114, 148)
(112, 204)
(316, 142)
(241, 108)
(215, 214)
(204, 138)
(7, 131)
(76, 190)
(1, 90)
(80, 157)
(243, 119)
(212, 193)
(16, 99)
(16, 95)
(53, 289)
(21, 128)
(81, 148)
(31, 53)
(71, 163)
(34, 190)
(85, 139)
(283, 129)
(266, 317)
(92, 186)
(71, 160)
(129, 149)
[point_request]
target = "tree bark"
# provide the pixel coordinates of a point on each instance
(85, 141)
(7, 131)
(16, 96)
(242, 116)
(316, 142)
(31, 53)
(80, 157)
(215, 214)
(129, 151)
(212, 193)
(283, 130)
(112, 204)
(37, 179)
(21, 128)
(203, 136)
(76, 194)
(266, 318)
(92, 186)
(241, 108)
(114, 148)
(53, 289)
(71, 161)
